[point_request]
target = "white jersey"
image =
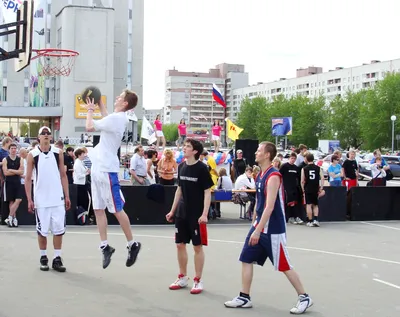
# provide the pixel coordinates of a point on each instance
(48, 191)
(112, 127)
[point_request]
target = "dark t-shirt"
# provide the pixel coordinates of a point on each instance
(350, 167)
(13, 165)
(240, 166)
(193, 181)
(69, 163)
(312, 178)
(291, 176)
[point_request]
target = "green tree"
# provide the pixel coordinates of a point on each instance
(23, 128)
(345, 115)
(170, 132)
(380, 103)
(249, 115)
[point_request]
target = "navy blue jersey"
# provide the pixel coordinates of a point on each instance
(276, 223)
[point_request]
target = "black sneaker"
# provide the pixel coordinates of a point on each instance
(133, 252)
(44, 263)
(58, 265)
(107, 254)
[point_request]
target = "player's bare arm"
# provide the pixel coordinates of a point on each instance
(28, 181)
(178, 195)
(64, 180)
(303, 179)
(6, 171)
(90, 106)
(103, 108)
(207, 202)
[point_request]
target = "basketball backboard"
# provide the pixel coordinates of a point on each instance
(22, 28)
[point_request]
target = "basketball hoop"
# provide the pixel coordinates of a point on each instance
(54, 61)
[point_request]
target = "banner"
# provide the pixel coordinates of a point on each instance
(148, 132)
(233, 130)
(282, 126)
(81, 111)
(9, 9)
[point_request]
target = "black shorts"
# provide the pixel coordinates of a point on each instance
(311, 198)
(187, 230)
(12, 191)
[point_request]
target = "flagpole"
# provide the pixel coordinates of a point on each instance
(212, 121)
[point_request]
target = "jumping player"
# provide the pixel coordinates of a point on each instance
(267, 236)
(312, 180)
(192, 202)
(106, 191)
(13, 169)
(51, 196)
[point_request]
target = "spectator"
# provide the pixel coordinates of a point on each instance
(335, 172)
(378, 172)
(167, 168)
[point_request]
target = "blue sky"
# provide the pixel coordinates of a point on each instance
(272, 38)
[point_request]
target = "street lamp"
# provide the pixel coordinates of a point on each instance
(184, 113)
(393, 118)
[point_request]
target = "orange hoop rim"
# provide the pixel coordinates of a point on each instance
(54, 52)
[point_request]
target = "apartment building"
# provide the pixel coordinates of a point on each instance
(151, 114)
(313, 82)
(189, 95)
(108, 34)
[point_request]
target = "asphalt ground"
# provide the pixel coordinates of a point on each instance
(349, 269)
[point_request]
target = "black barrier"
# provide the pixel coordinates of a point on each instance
(332, 206)
(375, 203)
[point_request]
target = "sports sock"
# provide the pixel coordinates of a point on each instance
(315, 218)
(132, 242)
(244, 295)
(43, 252)
(57, 253)
(103, 244)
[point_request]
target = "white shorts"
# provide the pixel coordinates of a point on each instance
(50, 219)
(215, 137)
(106, 192)
(159, 134)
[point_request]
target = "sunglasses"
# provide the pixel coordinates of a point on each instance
(45, 133)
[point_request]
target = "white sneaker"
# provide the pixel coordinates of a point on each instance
(303, 303)
(181, 282)
(292, 221)
(310, 224)
(239, 302)
(15, 222)
(299, 221)
(197, 286)
(316, 223)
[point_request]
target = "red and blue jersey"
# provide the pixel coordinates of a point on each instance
(276, 223)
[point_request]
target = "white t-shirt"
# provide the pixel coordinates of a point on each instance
(112, 127)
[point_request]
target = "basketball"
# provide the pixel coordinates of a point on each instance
(91, 92)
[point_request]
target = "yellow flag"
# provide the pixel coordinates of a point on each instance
(233, 130)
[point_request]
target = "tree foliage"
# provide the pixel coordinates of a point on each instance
(170, 132)
(358, 119)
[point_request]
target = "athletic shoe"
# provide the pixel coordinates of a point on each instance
(197, 286)
(15, 222)
(239, 302)
(299, 221)
(310, 224)
(181, 282)
(107, 254)
(133, 252)
(316, 223)
(44, 263)
(58, 265)
(303, 303)
(292, 221)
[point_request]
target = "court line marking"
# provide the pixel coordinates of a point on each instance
(229, 242)
(386, 283)
(381, 226)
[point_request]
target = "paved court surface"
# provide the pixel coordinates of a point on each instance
(349, 269)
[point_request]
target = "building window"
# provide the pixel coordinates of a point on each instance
(4, 93)
(130, 14)
(129, 70)
(47, 95)
(49, 8)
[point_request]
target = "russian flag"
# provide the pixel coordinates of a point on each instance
(218, 96)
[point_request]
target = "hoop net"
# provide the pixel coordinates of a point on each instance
(55, 62)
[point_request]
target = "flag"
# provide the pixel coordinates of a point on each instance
(218, 96)
(148, 132)
(233, 130)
